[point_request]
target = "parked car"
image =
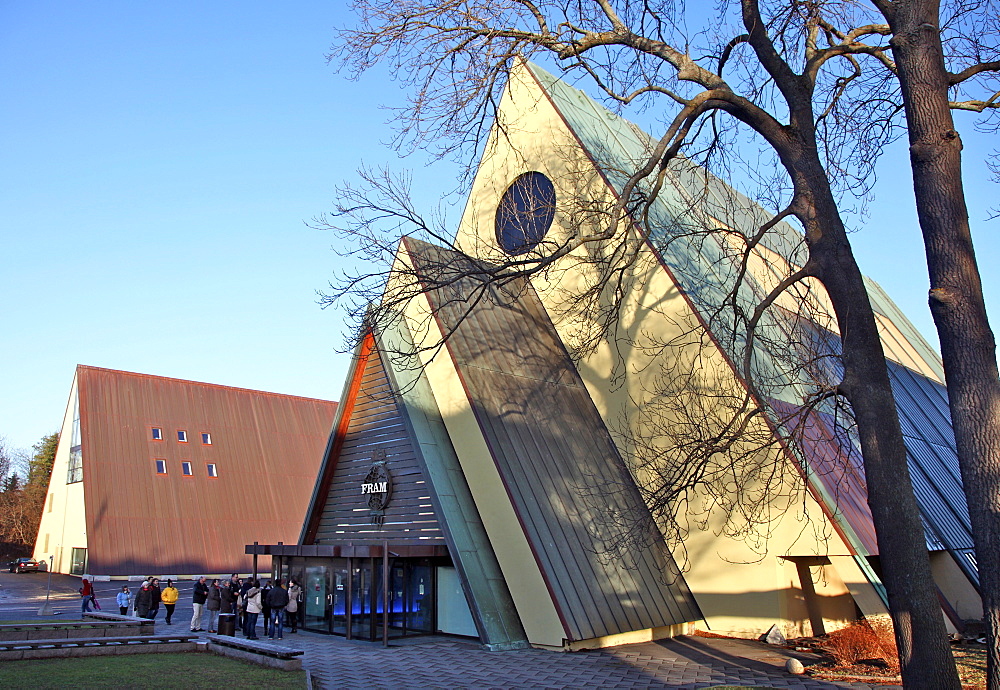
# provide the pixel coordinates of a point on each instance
(24, 565)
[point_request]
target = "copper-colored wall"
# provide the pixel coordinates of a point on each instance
(266, 447)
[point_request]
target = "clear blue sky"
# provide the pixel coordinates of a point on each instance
(157, 162)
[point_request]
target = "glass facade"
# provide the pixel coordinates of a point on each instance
(74, 472)
(343, 596)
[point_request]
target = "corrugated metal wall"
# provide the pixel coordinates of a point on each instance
(266, 448)
(568, 486)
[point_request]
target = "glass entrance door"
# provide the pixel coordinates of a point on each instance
(317, 596)
(362, 591)
(339, 575)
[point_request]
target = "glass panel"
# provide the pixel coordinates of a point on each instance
(340, 574)
(78, 565)
(361, 600)
(397, 592)
(420, 599)
(75, 472)
(316, 597)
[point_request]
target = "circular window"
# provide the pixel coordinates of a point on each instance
(525, 212)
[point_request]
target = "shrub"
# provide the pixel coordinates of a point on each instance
(865, 639)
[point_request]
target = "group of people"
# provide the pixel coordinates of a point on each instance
(148, 599)
(247, 599)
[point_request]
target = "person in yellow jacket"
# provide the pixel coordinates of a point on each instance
(169, 597)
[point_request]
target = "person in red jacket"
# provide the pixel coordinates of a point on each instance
(86, 593)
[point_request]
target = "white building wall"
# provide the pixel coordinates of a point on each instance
(63, 526)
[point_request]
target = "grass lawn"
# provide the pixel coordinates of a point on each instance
(146, 671)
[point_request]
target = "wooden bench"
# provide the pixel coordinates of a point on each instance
(51, 631)
(12, 650)
(263, 653)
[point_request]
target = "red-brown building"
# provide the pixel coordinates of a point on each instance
(163, 476)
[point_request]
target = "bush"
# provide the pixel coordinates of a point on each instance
(865, 639)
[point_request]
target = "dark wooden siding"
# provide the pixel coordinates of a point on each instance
(266, 447)
(376, 424)
(558, 462)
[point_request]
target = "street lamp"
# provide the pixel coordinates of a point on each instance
(46, 609)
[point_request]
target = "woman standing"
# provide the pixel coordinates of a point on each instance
(169, 597)
(253, 608)
(292, 608)
(213, 602)
(124, 598)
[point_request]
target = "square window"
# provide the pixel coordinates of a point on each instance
(212, 471)
(161, 466)
(186, 469)
(182, 436)
(157, 433)
(206, 438)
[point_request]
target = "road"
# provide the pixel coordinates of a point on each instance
(22, 595)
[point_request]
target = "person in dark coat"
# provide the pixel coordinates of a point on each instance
(242, 600)
(234, 585)
(143, 600)
(154, 604)
(228, 596)
(198, 598)
(213, 604)
(277, 599)
(267, 609)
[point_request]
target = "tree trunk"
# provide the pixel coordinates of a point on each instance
(924, 651)
(968, 347)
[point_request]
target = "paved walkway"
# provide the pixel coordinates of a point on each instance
(438, 662)
(445, 662)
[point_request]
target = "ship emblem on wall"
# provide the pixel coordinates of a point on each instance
(377, 486)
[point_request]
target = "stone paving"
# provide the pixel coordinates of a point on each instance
(439, 662)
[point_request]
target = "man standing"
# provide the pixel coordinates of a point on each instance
(198, 603)
(277, 599)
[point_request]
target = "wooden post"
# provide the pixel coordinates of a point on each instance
(255, 560)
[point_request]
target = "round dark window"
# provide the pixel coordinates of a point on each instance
(525, 212)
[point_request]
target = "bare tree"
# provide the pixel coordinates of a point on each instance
(15, 513)
(792, 78)
(949, 58)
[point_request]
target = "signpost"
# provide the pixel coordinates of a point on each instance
(46, 609)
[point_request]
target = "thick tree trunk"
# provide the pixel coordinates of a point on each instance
(924, 651)
(968, 347)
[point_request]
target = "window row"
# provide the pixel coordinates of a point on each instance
(182, 435)
(187, 468)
